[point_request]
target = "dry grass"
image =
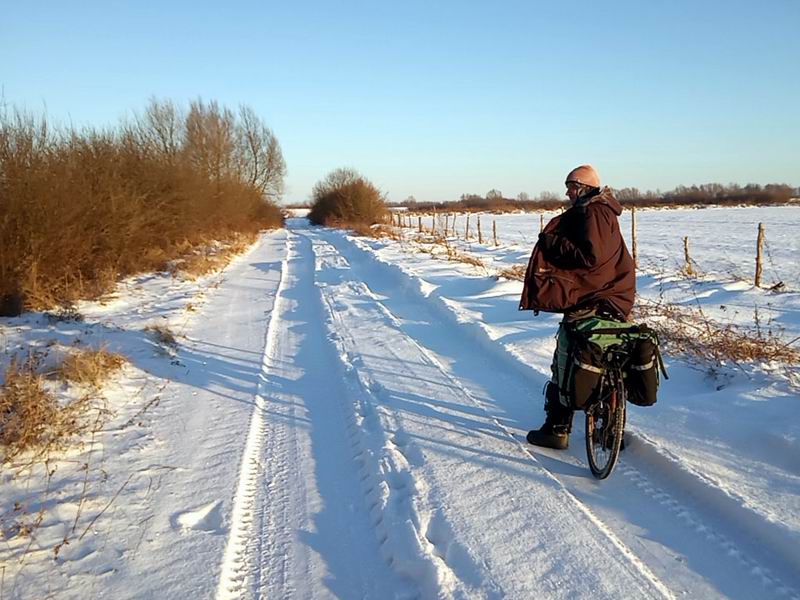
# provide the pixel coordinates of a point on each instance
(373, 231)
(212, 257)
(91, 367)
(163, 335)
(688, 330)
(31, 419)
(456, 256)
(439, 247)
(515, 272)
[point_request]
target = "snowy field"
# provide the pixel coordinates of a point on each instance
(344, 417)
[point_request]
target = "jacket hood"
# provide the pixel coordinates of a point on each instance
(606, 196)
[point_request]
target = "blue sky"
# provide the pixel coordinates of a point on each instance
(437, 99)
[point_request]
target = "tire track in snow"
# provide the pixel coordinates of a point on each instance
(395, 498)
(304, 532)
(237, 571)
(729, 541)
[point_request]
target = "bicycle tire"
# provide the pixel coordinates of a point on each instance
(605, 424)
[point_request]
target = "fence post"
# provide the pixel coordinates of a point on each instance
(446, 223)
(541, 222)
(687, 268)
(433, 222)
(480, 235)
(759, 245)
(466, 228)
(633, 237)
(494, 231)
(419, 223)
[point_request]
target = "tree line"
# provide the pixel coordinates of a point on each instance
(705, 194)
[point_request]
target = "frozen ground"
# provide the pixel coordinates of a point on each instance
(345, 417)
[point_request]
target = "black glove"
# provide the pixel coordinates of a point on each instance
(547, 241)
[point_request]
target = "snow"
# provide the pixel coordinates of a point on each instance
(345, 417)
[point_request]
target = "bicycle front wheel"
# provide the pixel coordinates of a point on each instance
(605, 422)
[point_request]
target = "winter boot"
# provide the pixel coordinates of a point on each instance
(557, 424)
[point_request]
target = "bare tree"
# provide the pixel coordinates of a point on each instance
(494, 194)
(211, 139)
(261, 162)
(161, 128)
(548, 197)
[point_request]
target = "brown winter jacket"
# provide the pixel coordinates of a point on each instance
(581, 261)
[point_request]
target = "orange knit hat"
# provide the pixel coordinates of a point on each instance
(585, 174)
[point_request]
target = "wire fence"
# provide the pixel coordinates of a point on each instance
(720, 241)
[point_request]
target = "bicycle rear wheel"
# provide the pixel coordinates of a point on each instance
(605, 422)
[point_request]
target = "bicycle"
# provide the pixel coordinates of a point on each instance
(605, 412)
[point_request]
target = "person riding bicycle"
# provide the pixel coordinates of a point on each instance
(581, 267)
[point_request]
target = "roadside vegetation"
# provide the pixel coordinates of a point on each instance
(347, 198)
(43, 406)
(83, 207)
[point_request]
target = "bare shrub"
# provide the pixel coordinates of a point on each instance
(83, 207)
(90, 367)
(30, 416)
(345, 196)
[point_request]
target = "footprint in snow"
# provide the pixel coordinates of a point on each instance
(204, 518)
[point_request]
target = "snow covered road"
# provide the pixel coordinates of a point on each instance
(396, 444)
(335, 425)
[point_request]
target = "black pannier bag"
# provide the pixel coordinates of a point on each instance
(641, 376)
(586, 371)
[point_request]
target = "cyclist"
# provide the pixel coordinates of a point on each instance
(581, 267)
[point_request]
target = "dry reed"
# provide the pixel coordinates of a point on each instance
(89, 367)
(31, 419)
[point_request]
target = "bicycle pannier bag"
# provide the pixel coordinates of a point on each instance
(586, 371)
(641, 377)
(585, 365)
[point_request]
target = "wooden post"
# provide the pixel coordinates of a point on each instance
(480, 235)
(759, 246)
(419, 223)
(494, 232)
(466, 228)
(687, 268)
(446, 223)
(433, 222)
(541, 222)
(633, 237)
